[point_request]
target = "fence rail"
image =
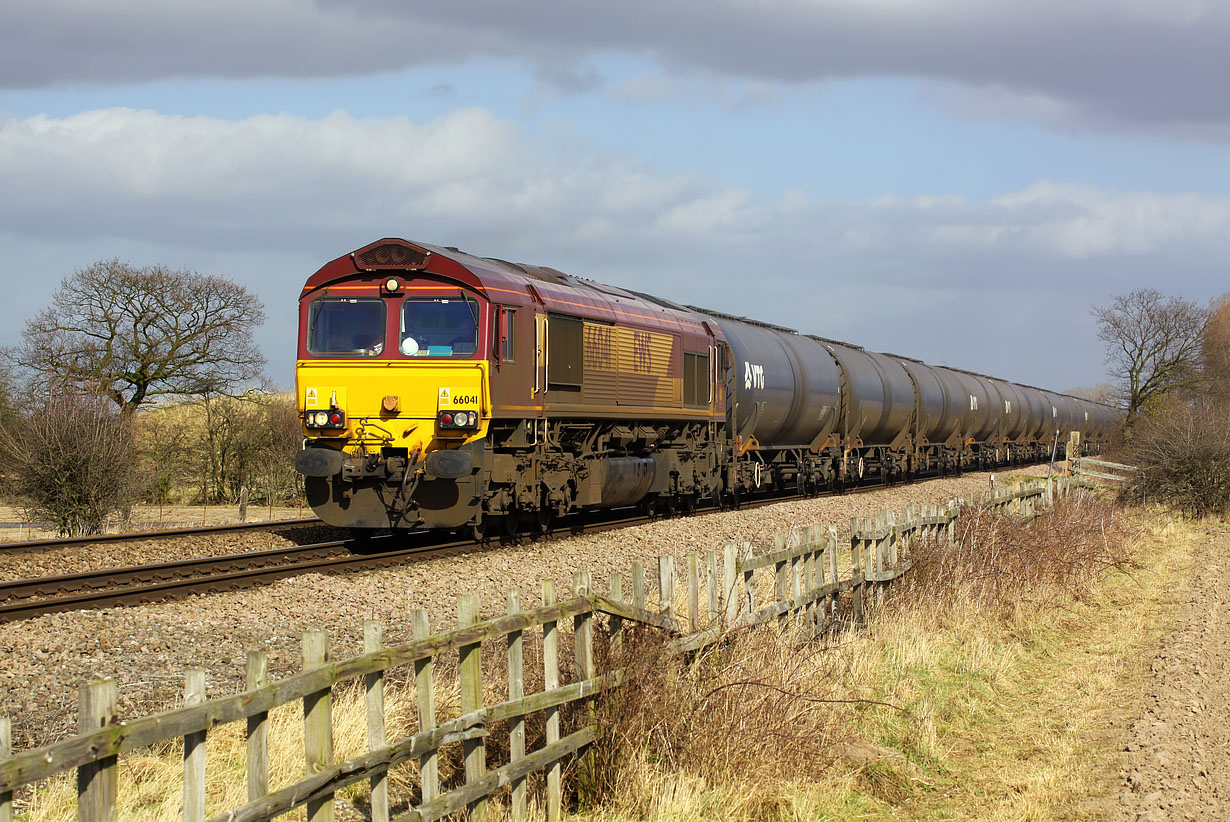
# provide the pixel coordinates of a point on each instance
(803, 579)
(1102, 469)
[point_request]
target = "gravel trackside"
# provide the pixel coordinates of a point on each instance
(26, 563)
(148, 648)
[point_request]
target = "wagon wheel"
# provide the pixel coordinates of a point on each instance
(542, 519)
(476, 531)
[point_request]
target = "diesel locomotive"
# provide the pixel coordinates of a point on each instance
(444, 390)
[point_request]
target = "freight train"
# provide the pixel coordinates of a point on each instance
(449, 391)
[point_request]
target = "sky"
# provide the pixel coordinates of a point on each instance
(953, 180)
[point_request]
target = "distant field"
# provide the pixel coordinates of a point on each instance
(15, 527)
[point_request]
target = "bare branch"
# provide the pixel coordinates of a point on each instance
(1153, 345)
(138, 333)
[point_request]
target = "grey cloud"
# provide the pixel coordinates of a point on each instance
(1136, 62)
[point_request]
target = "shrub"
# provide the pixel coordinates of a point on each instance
(998, 560)
(1183, 454)
(71, 461)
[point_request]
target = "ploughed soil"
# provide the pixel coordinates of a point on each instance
(1177, 751)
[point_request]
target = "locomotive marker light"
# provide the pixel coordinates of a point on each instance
(458, 419)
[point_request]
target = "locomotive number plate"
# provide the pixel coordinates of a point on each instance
(459, 398)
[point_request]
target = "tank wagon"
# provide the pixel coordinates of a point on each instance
(444, 390)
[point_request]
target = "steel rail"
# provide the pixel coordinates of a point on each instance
(160, 534)
(230, 580)
(178, 569)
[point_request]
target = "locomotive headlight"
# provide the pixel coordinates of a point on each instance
(392, 285)
(320, 418)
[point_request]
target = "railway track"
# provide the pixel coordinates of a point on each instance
(95, 539)
(142, 584)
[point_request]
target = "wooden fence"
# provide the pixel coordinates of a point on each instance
(1104, 470)
(802, 579)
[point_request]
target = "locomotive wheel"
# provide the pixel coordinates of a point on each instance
(512, 523)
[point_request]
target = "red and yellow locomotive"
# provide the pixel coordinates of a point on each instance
(444, 390)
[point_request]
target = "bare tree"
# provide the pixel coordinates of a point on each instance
(1217, 348)
(140, 333)
(1103, 392)
(1153, 345)
(8, 402)
(71, 461)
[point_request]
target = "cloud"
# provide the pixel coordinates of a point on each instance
(1140, 63)
(917, 275)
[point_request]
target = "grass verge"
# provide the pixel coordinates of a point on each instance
(995, 684)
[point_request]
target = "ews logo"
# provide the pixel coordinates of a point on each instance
(753, 375)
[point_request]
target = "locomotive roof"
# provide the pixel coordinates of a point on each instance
(481, 272)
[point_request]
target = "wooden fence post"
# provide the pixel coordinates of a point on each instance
(194, 753)
(711, 586)
(638, 585)
(470, 670)
(550, 666)
(516, 690)
(373, 640)
(258, 730)
(796, 589)
(856, 572)
(97, 782)
(583, 628)
(894, 538)
(666, 586)
(809, 579)
(583, 655)
(693, 592)
(425, 699)
(730, 573)
(779, 568)
(318, 723)
(615, 624)
(6, 749)
(749, 588)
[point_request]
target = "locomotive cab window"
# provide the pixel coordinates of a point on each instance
(439, 327)
(346, 327)
(506, 329)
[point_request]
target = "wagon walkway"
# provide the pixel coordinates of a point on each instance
(1178, 749)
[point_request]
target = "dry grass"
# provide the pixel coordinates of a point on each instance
(151, 780)
(988, 687)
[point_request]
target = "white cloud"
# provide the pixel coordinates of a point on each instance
(290, 188)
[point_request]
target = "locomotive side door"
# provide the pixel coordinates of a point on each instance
(541, 330)
(722, 388)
